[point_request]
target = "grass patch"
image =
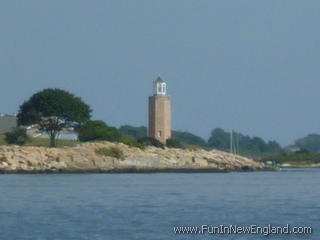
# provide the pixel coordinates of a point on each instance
(2, 141)
(43, 142)
(131, 142)
(111, 152)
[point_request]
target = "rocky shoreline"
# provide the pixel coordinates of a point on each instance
(85, 159)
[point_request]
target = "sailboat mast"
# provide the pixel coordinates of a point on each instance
(231, 141)
(238, 148)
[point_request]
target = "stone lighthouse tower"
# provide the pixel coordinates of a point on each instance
(160, 112)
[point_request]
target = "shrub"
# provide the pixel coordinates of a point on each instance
(111, 152)
(17, 136)
(131, 142)
(98, 131)
(174, 143)
(135, 132)
(149, 141)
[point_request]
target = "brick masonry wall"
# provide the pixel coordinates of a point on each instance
(160, 117)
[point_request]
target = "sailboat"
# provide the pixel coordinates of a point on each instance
(234, 142)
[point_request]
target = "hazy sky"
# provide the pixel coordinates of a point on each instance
(248, 65)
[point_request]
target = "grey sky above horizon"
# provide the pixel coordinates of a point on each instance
(252, 66)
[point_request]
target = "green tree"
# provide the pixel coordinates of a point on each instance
(219, 139)
(273, 147)
(245, 145)
(52, 110)
(258, 145)
(310, 142)
(17, 136)
(98, 131)
(189, 138)
(135, 132)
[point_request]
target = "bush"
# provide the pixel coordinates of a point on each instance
(135, 132)
(98, 131)
(149, 141)
(17, 136)
(131, 142)
(174, 143)
(111, 152)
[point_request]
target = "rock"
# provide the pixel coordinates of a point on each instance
(83, 158)
(5, 164)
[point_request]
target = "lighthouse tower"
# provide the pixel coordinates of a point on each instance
(159, 112)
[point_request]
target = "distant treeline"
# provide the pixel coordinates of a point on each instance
(298, 158)
(183, 137)
(219, 139)
(310, 143)
(304, 151)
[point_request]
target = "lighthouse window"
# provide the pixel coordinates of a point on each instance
(159, 133)
(159, 88)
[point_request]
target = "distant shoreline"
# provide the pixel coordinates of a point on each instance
(297, 166)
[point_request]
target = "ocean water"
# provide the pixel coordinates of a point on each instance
(149, 206)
